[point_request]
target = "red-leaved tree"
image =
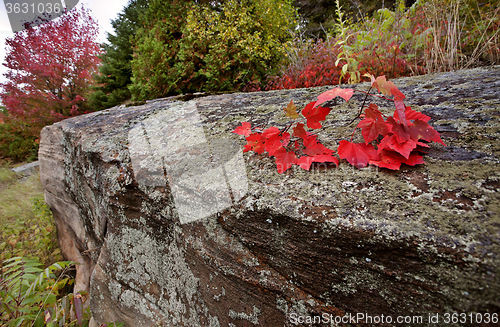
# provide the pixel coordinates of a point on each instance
(51, 66)
(50, 74)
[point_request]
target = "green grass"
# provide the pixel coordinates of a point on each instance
(27, 227)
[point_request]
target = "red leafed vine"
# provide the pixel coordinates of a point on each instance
(388, 141)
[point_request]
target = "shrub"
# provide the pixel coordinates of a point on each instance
(156, 67)
(311, 63)
(18, 139)
(390, 43)
(239, 42)
(208, 46)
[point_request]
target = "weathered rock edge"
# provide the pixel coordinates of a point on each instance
(333, 240)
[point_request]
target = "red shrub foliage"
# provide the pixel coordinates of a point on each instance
(313, 64)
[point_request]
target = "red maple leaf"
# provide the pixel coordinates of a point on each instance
(271, 132)
(421, 144)
(422, 130)
(396, 93)
(393, 160)
(272, 145)
(284, 159)
(398, 129)
(314, 115)
(400, 112)
(373, 112)
(255, 143)
(386, 87)
(305, 162)
(285, 138)
(387, 160)
(391, 142)
(299, 131)
(371, 128)
(313, 148)
(245, 129)
(346, 94)
(411, 114)
(273, 139)
(357, 154)
(414, 159)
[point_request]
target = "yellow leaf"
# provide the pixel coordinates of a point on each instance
(291, 110)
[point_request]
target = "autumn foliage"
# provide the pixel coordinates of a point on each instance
(388, 141)
(49, 77)
(312, 63)
(208, 46)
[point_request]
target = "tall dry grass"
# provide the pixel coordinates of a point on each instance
(464, 34)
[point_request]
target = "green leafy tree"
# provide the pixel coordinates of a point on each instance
(156, 67)
(116, 70)
(240, 42)
(190, 46)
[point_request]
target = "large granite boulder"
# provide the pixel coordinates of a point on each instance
(175, 226)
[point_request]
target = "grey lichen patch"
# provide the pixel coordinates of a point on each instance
(252, 317)
(113, 176)
(213, 321)
(360, 278)
(218, 296)
(297, 307)
(145, 261)
(133, 247)
(282, 304)
(115, 290)
(143, 306)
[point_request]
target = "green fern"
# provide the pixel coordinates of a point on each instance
(26, 290)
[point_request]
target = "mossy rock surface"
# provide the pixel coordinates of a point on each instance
(334, 240)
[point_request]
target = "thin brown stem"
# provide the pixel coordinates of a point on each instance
(362, 106)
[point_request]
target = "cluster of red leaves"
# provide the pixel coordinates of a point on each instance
(388, 142)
